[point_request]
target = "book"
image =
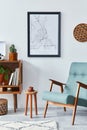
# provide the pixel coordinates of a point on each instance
(11, 78)
(15, 77)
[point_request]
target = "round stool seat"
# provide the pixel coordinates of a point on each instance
(3, 106)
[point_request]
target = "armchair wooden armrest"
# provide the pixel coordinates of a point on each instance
(56, 83)
(82, 85)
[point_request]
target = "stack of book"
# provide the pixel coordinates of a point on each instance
(14, 78)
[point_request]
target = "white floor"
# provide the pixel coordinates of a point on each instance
(62, 118)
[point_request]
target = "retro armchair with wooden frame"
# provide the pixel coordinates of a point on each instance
(74, 93)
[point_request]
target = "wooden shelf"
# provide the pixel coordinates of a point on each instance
(7, 61)
(10, 92)
(15, 89)
(8, 86)
(12, 65)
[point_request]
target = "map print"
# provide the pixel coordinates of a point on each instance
(43, 34)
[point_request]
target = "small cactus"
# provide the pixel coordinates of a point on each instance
(12, 48)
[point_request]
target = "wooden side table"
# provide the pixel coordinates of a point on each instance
(29, 97)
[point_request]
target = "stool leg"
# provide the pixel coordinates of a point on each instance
(30, 105)
(27, 96)
(35, 102)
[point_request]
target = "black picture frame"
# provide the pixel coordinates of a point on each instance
(44, 34)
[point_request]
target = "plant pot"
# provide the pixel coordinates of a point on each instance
(13, 56)
(1, 78)
(30, 89)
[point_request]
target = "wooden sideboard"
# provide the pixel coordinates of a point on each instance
(12, 88)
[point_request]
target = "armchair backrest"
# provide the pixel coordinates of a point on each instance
(78, 72)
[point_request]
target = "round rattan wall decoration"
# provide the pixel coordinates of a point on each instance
(80, 32)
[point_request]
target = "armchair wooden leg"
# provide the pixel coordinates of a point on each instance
(65, 109)
(74, 113)
(45, 110)
(75, 105)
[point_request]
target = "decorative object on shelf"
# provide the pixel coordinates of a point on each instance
(30, 89)
(2, 71)
(7, 75)
(4, 75)
(2, 50)
(80, 32)
(44, 33)
(13, 53)
(9, 89)
(1, 57)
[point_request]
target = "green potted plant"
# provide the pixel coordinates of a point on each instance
(2, 71)
(13, 53)
(4, 75)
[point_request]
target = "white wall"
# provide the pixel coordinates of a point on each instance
(37, 71)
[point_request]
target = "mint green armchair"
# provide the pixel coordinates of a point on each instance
(74, 92)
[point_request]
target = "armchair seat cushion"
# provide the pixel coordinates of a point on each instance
(58, 97)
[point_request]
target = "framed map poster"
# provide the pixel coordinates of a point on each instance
(44, 34)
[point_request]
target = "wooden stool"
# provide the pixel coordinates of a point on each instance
(3, 106)
(29, 95)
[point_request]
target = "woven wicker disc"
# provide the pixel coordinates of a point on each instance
(80, 32)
